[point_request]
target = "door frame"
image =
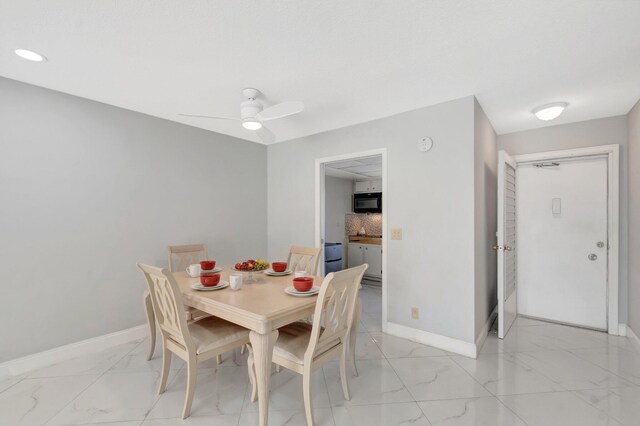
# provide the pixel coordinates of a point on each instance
(320, 204)
(612, 153)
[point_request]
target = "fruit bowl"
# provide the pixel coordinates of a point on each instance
(250, 266)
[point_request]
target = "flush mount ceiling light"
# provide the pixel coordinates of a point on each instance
(30, 55)
(550, 111)
(251, 124)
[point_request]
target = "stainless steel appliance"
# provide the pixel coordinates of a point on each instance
(332, 257)
(367, 202)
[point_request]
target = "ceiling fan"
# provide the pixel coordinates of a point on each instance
(252, 114)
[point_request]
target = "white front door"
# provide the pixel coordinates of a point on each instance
(562, 240)
(507, 244)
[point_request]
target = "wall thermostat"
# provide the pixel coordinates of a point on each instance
(425, 144)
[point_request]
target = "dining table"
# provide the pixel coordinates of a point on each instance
(261, 306)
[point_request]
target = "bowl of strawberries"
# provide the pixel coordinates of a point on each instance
(251, 266)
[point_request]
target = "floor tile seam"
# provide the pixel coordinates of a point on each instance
(158, 396)
(633, 384)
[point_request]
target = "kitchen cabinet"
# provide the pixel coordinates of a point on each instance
(358, 254)
(368, 186)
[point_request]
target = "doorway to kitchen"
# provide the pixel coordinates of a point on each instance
(558, 238)
(351, 224)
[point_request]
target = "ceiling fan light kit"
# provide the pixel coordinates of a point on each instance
(253, 114)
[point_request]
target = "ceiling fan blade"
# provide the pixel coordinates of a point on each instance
(280, 110)
(265, 135)
(208, 116)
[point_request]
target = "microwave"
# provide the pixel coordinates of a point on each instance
(367, 202)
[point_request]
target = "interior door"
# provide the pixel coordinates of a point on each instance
(562, 230)
(507, 244)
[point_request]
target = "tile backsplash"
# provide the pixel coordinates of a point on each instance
(371, 222)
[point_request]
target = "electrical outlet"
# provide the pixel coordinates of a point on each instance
(415, 313)
(396, 233)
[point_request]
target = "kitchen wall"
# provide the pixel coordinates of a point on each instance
(430, 196)
(603, 131)
(338, 202)
(88, 190)
(485, 186)
(634, 219)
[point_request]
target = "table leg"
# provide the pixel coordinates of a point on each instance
(262, 345)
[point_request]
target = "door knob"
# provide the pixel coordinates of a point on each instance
(496, 247)
(600, 244)
(593, 256)
(508, 248)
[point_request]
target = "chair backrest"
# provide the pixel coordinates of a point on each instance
(167, 304)
(334, 309)
(187, 254)
(304, 259)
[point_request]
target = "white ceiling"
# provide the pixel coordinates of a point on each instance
(356, 169)
(349, 61)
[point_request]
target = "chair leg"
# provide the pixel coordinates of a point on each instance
(166, 365)
(151, 320)
(219, 359)
(243, 349)
(252, 377)
(343, 374)
(306, 391)
(192, 374)
(353, 335)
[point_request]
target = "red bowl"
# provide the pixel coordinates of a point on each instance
(279, 266)
(209, 280)
(303, 283)
(207, 265)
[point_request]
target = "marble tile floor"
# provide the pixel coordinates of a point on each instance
(541, 374)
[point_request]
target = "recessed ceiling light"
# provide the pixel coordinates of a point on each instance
(30, 55)
(550, 111)
(251, 124)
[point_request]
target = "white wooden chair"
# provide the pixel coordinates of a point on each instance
(304, 347)
(304, 259)
(187, 254)
(195, 342)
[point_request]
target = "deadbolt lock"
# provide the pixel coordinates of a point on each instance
(600, 244)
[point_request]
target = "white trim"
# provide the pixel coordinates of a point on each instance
(319, 200)
(613, 160)
(635, 341)
(484, 332)
(622, 330)
(436, 340)
(32, 362)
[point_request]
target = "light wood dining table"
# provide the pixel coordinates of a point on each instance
(262, 307)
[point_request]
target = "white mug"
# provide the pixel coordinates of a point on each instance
(300, 274)
(194, 270)
(235, 280)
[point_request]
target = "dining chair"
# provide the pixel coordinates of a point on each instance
(187, 254)
(194, 342)
(304, 347)
(304, 259)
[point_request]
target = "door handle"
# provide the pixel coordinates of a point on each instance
(496, 247)
(508, 248)
(593, 257)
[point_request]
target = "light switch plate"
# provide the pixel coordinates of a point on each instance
(415, 313)
(396, 233)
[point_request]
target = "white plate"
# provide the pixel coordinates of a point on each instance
(292, 291)
(212, 271)
(200, 287)
(277, 274)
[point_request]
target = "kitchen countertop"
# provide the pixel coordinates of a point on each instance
(365, 239)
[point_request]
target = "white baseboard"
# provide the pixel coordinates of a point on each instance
(622, 329)
(436, 340)
(52, 356)
(634, 338)
(484, 332)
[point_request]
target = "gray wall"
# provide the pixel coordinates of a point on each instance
(634, 219)
(430, 196)
(486, 221)
(603, 131)
(88, 190)
(338, 201)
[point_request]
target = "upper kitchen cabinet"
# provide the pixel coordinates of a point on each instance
(368, 186)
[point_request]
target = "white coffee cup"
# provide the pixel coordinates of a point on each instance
(300, 274)
(235, 280)
(194, 270)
